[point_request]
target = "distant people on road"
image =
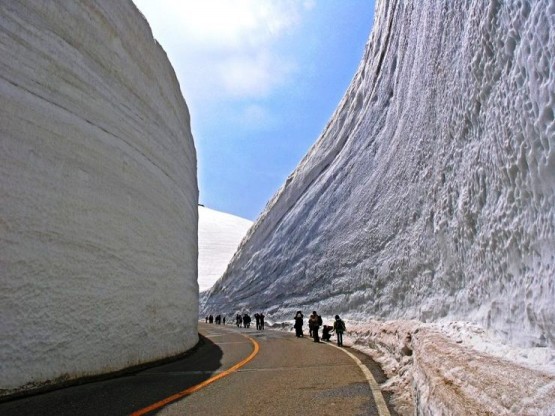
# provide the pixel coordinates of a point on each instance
(339, 327)
(223, 320)
(261, 316)
(207, 319)
(326, 332)
(246, 320)
(239, 321)
(218, 319)
(314, 322)
(298, 324)
(257, 319)
(211, 319)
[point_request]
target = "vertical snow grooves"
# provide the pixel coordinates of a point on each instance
(430, 193)
(385, 45)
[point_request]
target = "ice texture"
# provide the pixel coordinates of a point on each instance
(219, 235)
(98, 195)
(430, 193)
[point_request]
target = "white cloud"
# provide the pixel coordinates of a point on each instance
(225, 49)
(254, 75)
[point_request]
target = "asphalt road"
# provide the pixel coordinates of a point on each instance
(284, 375)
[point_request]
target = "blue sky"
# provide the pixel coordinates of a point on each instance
(261, 79)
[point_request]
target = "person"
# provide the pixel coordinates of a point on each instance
(262, 321)
(238, 320)
(223, 319)
(257, 319)
(218, 319)
(326, 332)
(315, 321)
(211, 319)
(339, 328)
(246, 321)
(207, 319)
(298, 324)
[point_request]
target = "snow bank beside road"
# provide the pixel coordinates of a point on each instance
(98, 195)
(430, 193)
(457, 368)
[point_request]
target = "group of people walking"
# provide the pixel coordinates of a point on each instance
(240, 320)
(218, 320)
(314, 324)
(245, 320)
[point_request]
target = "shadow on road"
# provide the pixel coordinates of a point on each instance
(127, 393)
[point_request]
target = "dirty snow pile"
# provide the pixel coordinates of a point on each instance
(98, 195)
(457, 368)
(428, 198)
(219, 235)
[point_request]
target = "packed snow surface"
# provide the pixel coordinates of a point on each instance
(98, 195)
(430, 194)
(219, 235)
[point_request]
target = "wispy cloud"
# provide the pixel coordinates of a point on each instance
(254, 75)
(225, 49)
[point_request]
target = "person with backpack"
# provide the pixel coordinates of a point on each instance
(339, 328)
(314, 322)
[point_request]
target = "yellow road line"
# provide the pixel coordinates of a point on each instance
(374, 387)
(199, 386)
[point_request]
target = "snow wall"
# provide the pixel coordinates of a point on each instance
(219, 235)
(98, 195)
(430, 193)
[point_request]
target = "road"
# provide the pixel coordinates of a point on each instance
(231, 372)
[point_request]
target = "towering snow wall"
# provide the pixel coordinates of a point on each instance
(98, 195)
(430, 193)
(219, 235)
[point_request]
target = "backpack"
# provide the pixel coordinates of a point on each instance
(341, 325)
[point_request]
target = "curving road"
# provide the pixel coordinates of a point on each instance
(288, 376)
(231, 372)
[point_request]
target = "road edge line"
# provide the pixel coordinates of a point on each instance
(374, 387)
(199, 386)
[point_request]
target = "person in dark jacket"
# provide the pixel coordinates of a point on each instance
(315, 321)
(339, 328)
(326, 332)
(298, 324)
(262, 321)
